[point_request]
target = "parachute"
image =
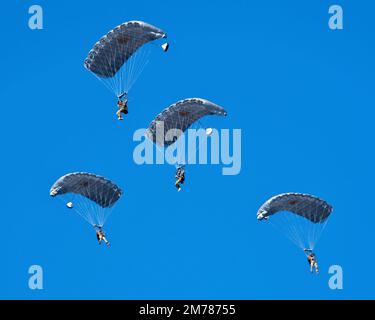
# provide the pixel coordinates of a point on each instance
(91, 196)
(301, 217)
(179, 117)
(120, 56)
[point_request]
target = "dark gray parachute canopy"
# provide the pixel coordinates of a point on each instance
(310, 207)
(95, 188)
(180, 115)
(117, 46)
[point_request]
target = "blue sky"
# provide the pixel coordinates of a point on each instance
(302, 95)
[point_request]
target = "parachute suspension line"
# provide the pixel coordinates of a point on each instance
(138, 62)
(101, 213)
(79, 204)
(197, 126)
(128, 70)
(283, 225)
(318, 229)
(110, 83)
(305, 228)
(118, 52)
(125, 78)
(183, 122)
(298, 229)
(106, 83)
(120, 74)
(310, 235)
(106, 212)
(88, 209)
(109, 66)
(288, 224)
(290, 228)
(115, 54)
(142, 65)
(179, 123)
(301, 231)
(97, 209)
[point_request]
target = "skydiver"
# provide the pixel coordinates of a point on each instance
(100, 235)
(122, 105)
(180, 177)
(311, 259)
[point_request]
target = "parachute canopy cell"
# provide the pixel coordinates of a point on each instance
(98, 189)
(117, 46)
(307, 206)
(180, 115)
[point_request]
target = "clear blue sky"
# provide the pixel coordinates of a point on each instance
(301, 93)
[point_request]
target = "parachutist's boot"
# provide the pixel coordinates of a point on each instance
(118, 114)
